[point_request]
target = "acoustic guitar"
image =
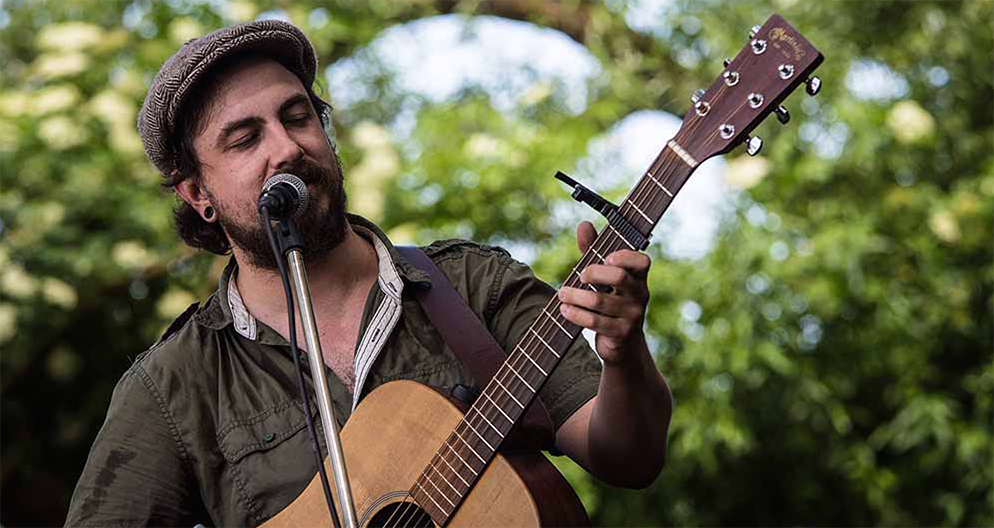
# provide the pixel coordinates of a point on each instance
(415, 459)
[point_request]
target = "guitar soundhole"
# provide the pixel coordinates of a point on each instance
(401, 514)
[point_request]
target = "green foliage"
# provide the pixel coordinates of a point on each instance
(830, 357)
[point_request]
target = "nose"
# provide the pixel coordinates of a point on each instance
(284, 149)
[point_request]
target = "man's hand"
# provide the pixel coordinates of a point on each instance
(619, 435)
(616, 317)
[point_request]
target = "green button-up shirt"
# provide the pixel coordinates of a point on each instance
(207, 425)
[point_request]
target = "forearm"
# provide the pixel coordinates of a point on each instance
(629, 422)
(619, 436)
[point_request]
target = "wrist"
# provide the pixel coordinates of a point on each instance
(635, 360)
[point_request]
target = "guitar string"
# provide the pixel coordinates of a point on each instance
(632, 200)
(508, 387)
(479, 410)
(668, 172)
(502, 375)
(661, 159)
(505, 373)
(511, 385)
(506, 376)
(692, 132)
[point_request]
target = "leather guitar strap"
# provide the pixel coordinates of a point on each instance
(469, 339)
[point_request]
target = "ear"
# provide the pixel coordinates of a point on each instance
(192, 192)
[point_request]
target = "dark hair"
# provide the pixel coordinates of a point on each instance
(191, 121)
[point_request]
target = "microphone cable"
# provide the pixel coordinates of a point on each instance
(296, 363)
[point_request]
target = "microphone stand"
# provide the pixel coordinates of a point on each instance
(291, 245)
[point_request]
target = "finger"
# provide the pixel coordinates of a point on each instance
(613, 276)
(585, 235)
(611, 305)
(604, 325)
(623, 281)
(636, 263)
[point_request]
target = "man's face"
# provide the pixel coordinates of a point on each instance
(262, 123)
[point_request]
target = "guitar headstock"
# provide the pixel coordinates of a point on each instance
(773, 64)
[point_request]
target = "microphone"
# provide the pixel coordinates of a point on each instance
(284, 196)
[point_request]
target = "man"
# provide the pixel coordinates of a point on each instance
(205, 427)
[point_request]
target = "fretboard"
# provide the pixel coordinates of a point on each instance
(466, 453)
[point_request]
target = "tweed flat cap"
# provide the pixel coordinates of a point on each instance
(278, 39)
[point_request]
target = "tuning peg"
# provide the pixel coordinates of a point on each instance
(753, 145)
(782, 114)
(754, 31)
(726, 62)
(813, 85)
(698, 95)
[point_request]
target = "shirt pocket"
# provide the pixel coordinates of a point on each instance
(269, 459)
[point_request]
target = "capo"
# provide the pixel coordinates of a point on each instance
(608, 210)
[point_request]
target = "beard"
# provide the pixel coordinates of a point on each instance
(321, 230)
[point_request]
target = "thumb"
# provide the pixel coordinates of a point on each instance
(585, 235)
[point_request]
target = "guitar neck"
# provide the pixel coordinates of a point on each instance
(502, 403)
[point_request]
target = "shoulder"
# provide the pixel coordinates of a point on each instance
(457, 248)
(182, 351)
(478, 268)
(172, 386)
(486, 275)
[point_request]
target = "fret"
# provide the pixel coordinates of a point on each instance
(470, 446)
(454, 471)
(492, 402)
(561, 327)
(431, 465)
(478, 434)
(576, 270)
(639, 211)
(507, 391)
(426, 494)
(440, 492)
(461, 459)
(592, 248)
(492, 426)
(519, 377)
(623, 239)
(658, 184)
(543, 340)
(540, 369)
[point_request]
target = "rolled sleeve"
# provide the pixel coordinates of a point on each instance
(136, 473)
(519, 299)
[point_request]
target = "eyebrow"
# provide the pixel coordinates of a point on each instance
(232, 126)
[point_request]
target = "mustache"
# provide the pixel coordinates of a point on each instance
(310, 173)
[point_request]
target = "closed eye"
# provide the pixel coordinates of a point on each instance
(298, 119)
(245, 141)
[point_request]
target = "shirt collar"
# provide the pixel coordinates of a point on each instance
(226, 305)
(406, 270)
(244, 321)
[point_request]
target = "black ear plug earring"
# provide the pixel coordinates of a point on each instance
(208, 212)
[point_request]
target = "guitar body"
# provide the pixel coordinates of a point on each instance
(389, 441)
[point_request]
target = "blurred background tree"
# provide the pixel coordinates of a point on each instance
(826, 332)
